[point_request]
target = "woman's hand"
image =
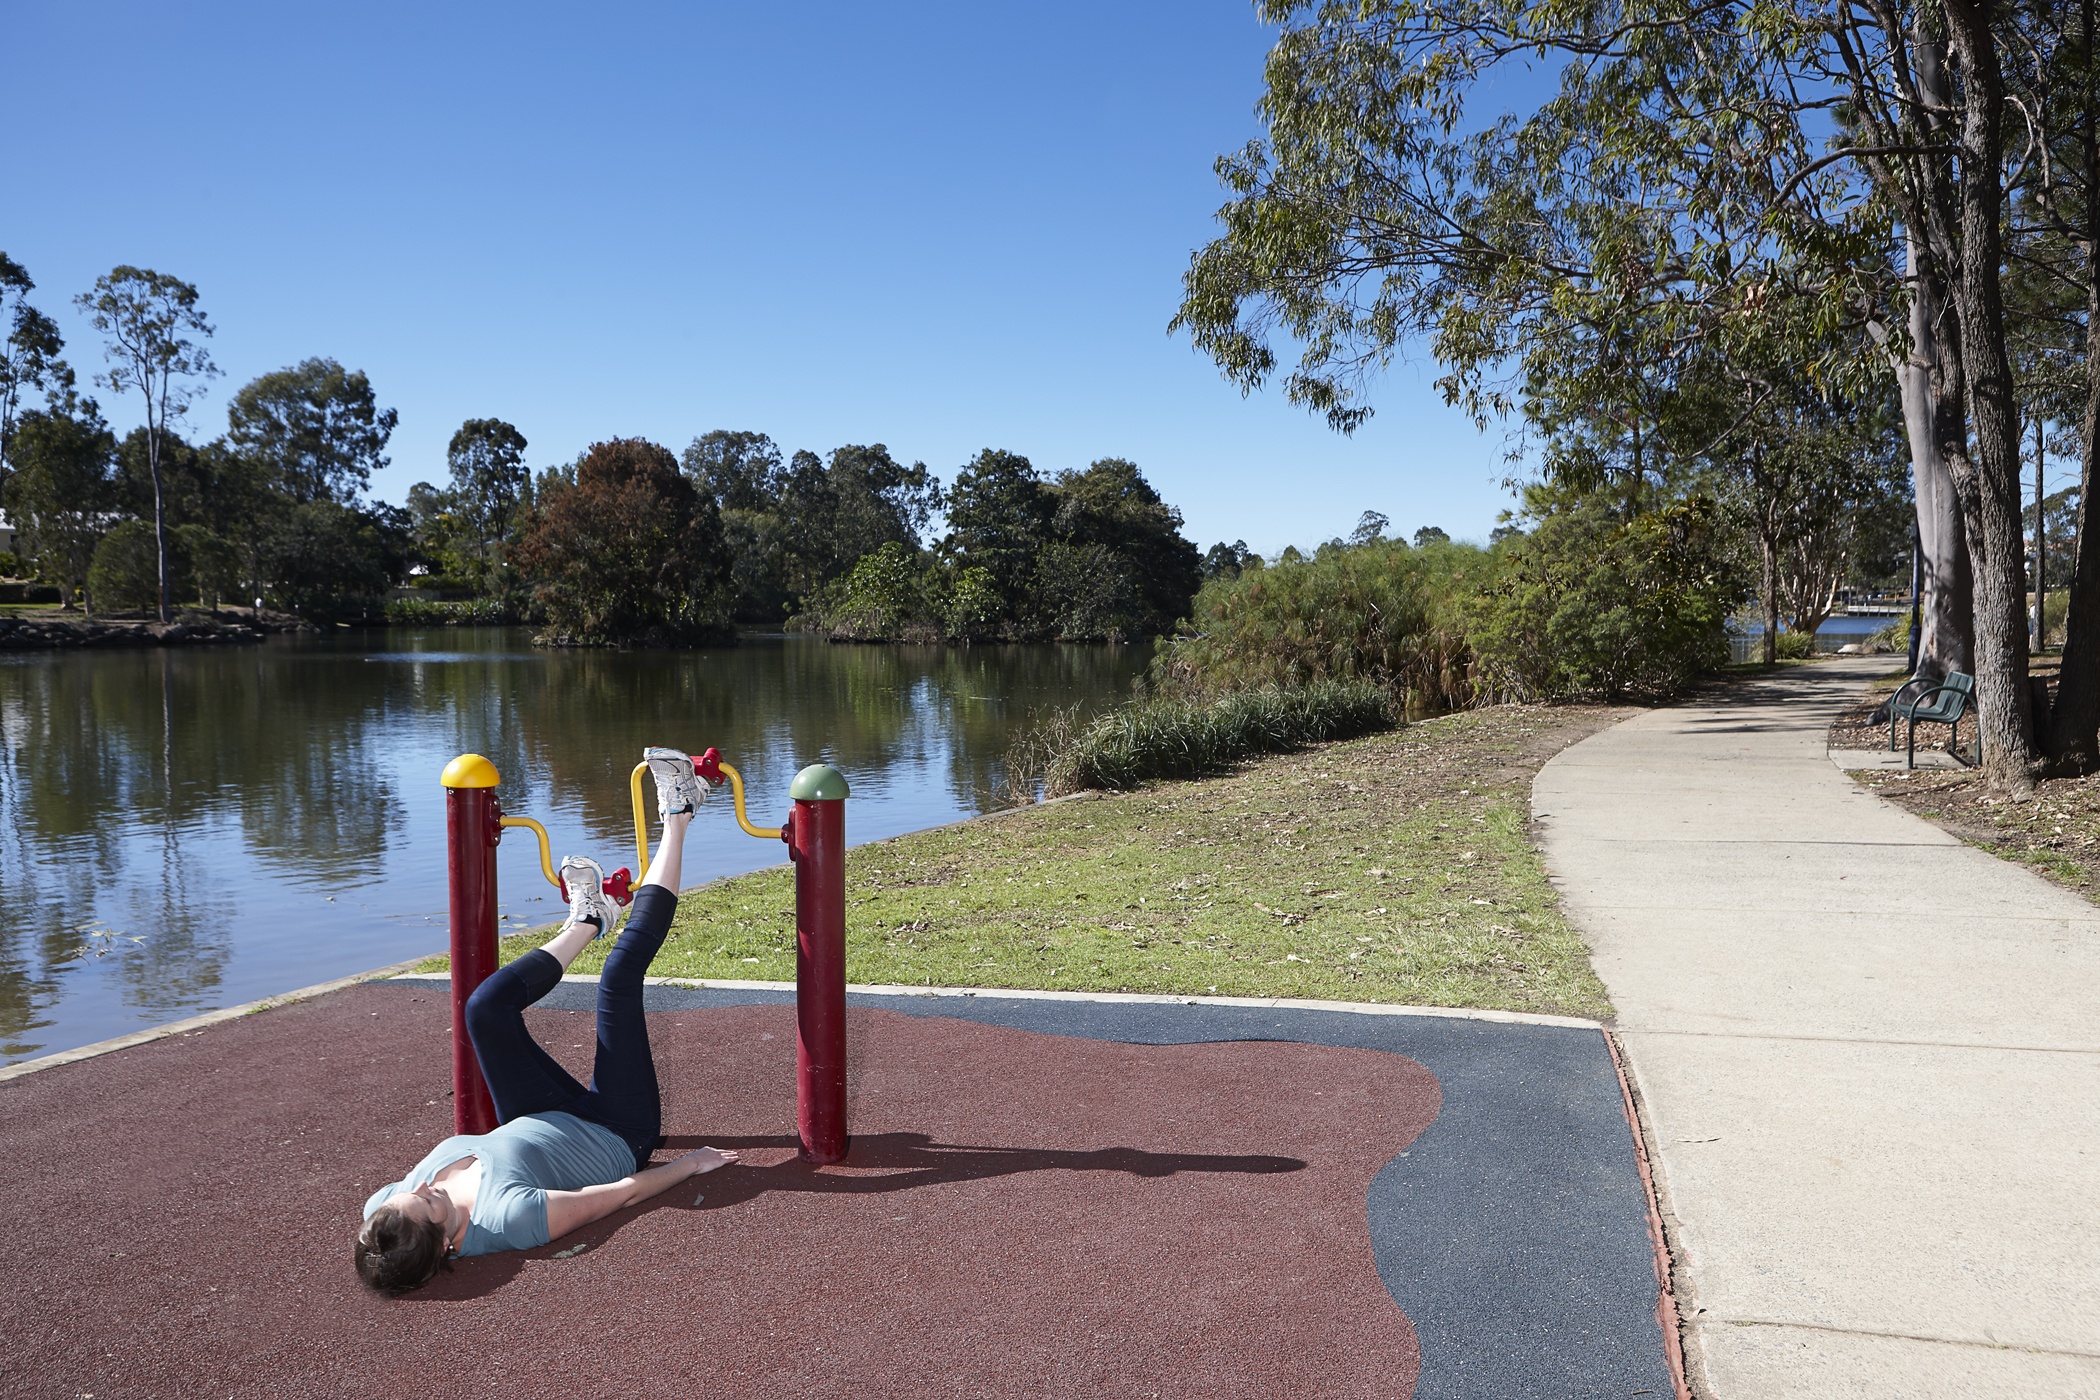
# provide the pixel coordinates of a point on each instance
(706, 1159)
(566, 1210)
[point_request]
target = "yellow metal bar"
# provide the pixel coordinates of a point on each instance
(641, 822)
(546, 850)
(736, 789)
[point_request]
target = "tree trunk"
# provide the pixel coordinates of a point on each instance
(1946, 601)
(1771, 587)
(2040, 631)
(2074, 720)
(1990, 484)
(160, 514)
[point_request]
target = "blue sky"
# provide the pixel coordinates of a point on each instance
(938, 226)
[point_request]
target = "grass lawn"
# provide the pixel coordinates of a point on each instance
(1393, 868)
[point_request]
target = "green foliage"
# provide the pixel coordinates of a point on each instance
(1123, 570)
(1089, 556)
(61, 490)
(1168, 738)
(211, 565)
(973, 608)
(465, 531)
(628, 554)
(154, 332)
(998, 515)
(149, 318)
(1795, 646)
(1223, 560)
(125, 575)
(892, 595)
(794, 528)
(335, 562)
(29, 357)
(1379, 612)
(316, 427)
(1895, 636)
(1589, 604)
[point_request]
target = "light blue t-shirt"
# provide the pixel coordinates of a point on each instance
(520, 1163)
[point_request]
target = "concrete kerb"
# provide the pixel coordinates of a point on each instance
(191, 1025)
(877, 989)
(404, 972)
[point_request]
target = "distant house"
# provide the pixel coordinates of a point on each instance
(10, 537)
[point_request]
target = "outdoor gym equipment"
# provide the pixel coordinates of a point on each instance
(815, 833)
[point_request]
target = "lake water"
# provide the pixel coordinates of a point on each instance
(187, 829)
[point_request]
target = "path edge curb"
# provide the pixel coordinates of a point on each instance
(886, 989)
(193, 1024)
(1667, 1316)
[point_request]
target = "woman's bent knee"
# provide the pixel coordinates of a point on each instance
(489, 1006)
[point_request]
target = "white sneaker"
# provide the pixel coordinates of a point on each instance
(678, 787)
(584, 880)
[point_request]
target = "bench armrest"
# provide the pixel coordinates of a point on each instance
(1924, 701)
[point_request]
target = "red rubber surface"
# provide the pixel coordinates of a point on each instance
(1020, 1215)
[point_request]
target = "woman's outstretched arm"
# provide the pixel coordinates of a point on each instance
(571, 1210)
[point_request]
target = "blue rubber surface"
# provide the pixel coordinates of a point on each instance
(1513, 1232)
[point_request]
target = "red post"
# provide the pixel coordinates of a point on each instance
(816, 836)
(470, 844)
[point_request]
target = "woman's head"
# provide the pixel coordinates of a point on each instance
(399, 1249)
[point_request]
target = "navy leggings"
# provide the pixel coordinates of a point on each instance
(523, 1078)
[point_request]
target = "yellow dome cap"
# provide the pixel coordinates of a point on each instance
(470, 770)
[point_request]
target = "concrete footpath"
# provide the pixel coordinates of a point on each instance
(1869, 1056)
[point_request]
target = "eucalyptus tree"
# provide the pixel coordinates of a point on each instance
(153, 328)
(490, 482)
(1697, 159)
(29, 353)
(62, 489)
(315, 427)
(2056, 301)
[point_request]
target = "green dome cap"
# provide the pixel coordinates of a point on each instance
(820, 782)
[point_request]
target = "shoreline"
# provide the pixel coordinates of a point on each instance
(53, 631)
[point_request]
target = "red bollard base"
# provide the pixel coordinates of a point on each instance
(817, 844)
(471, 832)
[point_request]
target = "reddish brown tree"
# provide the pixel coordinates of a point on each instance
(628, 554)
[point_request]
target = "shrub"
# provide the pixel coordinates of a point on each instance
(1795, 646)
(1170, 738)
(887, 597)
(1590, 604)
(18, 592)
(1380, 612)
(125, 576)
(973, 609)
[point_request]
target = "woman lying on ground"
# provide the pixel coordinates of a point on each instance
(564, 1155)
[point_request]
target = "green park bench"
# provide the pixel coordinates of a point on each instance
(1944, 703)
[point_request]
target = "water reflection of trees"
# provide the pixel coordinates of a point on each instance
(773, 706)
(142, 788)
(113, 769)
